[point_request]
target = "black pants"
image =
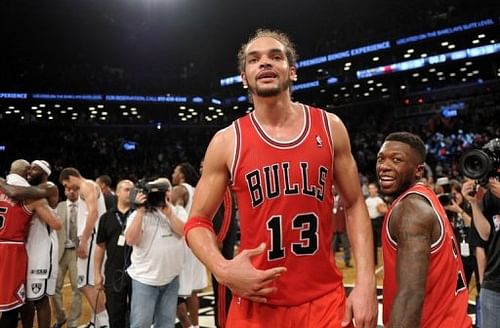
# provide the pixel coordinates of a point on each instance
(222, 302)
(118, 296)
(377, 234)
(9, 318)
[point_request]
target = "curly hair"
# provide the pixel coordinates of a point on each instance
(290, 51)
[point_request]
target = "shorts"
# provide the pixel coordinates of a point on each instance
(85, 267)
(324, 312)
(193, 276)
(13, 266)
(38, 288)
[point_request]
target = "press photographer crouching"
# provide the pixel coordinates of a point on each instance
(155, 232)
(483, 167)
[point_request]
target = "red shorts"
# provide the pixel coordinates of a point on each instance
(324, 312)
(13, 266)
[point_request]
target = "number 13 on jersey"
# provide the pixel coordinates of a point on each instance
(307, 243)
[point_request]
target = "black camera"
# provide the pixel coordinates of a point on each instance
(481, 164)
(154, 192)
(445, 199)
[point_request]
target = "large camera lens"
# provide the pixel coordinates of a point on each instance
(475, 164)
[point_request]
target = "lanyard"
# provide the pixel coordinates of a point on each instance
(120, 222)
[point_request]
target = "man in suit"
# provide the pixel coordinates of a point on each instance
(67, 210)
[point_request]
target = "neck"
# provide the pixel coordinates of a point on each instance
(123, 207)
(273, 110)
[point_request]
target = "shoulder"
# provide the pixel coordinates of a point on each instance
(88, 186)
(221, 146)
(338, 132)
(413, 212)
(224, 135)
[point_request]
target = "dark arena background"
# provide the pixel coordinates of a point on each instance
(131, 88)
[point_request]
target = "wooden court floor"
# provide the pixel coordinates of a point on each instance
(206, 313)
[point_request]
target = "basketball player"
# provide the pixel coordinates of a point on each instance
(280, 161)
(90, 208)
(15, 219)
(41, 245)
(193, 277)
(424, 282)
(42, 248)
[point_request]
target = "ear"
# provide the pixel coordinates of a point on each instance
(244, 80)
(293, 73)
(419, 172)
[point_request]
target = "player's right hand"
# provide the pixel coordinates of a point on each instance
(245, 280)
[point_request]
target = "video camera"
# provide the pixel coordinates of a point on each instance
(481, 164)
(154, 192)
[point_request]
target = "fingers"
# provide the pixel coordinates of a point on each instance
(347, 314)
(255, 251)
(257, 299)
(272, 274)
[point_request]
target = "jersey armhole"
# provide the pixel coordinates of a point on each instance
(435, 245)
(328, 131)
(236, 151)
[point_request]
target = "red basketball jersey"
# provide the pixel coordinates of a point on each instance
(446, 297)
(14, 225)
(14, 219)
(284, 196)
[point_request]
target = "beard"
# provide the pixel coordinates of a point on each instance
(270, 91)
(35, 180)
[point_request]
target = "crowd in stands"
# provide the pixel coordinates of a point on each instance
(101, 149)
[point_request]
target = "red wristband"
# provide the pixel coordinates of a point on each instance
(197, 222)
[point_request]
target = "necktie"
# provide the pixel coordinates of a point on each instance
(72, 223)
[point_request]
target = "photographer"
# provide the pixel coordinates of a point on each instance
(155, 232)
(486, 218)
(459, 212)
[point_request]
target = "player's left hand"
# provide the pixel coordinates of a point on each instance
(362, 306)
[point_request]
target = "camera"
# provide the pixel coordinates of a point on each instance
(445, 199)
(481, 164)
(154, 192)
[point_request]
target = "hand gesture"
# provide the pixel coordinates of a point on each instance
(469, 190)
(140, 199)
(453, 207)
(248, 282)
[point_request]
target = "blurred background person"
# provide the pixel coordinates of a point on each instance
(376, 210)
(154, 230)
(68, 242)
(111, 245)
(110, 198)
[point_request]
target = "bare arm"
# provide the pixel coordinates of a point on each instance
(90, 194)
(382, 208)
(480, 222)
(98, 259)
(46, 214)
(362, 303)
(23, 193)
(238, 274)
(481, 262)
(412, 225)
(176, 223)
(133, 233)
